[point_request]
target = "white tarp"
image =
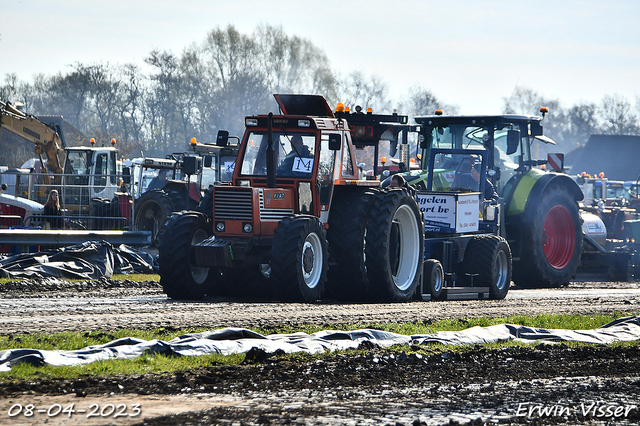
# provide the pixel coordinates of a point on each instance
(227, 341)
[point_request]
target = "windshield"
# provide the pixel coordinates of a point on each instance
(478, 137)
(77, 163)
(294, 154)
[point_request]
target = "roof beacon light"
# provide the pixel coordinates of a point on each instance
(92, 141)
(369, 110)
(438, 112)
(340, 107)
(544, 111)
(113, 141)
(601, 175)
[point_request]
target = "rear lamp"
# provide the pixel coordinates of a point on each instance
(304, 123)
(219, 226)
(251, 122)
(247, 228)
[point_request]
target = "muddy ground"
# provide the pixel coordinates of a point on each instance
(546, 384)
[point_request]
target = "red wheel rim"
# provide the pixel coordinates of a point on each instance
(559, 239)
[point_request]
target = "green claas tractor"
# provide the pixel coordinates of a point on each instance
(538, 208)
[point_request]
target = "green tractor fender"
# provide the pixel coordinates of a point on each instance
(531, 187)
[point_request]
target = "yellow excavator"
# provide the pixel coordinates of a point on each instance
(47, 141)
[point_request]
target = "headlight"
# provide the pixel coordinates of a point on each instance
(247, 228)
(220, 226)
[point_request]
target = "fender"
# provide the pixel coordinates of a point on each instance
(532, 186)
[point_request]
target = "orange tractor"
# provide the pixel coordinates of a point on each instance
(296, 205)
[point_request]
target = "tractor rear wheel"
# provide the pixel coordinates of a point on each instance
(299, 259)
(551, 243)
(178, 277)
(488, 259)
(153, 208)
(394, 246)
(347, 278)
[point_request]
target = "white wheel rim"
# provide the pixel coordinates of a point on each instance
(311, 260)
(198, 273)
(436, 279)
(501, 270)
(409, 236)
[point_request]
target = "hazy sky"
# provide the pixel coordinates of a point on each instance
(471, 53)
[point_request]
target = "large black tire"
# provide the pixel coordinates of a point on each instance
(178, 277)
(299, 259)
(488, 259)
(394, 246)
(99, 209)
(433, 278)
(153, 208)
(347, 277)
(179, 199)
(206, 204)
(551, 243)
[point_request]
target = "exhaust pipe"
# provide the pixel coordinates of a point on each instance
(271, 154)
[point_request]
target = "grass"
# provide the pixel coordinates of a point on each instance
(117, 277)
(162, 363)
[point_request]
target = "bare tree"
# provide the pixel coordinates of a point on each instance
(617, 116)
(423, 102)
(368, 92)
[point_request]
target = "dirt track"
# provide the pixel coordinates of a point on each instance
(540, 385)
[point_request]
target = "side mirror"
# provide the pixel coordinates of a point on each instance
(536, 128)
(223, 138)
(126, 175)
(335, 142)
(191, 165)
(208, 161)
(513, 140)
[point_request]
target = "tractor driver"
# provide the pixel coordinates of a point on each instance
(298, 150)
(490, 193)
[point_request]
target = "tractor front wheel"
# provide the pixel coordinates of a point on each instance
(299, 259)
(488, 259)
(180, 279)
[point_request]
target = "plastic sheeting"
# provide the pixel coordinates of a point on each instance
(227, 341)
(89, 260)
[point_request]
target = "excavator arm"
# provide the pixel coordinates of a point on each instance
(46, 140)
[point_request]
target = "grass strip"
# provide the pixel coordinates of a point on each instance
(161, 363)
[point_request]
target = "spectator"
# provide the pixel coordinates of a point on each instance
(52, 208)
